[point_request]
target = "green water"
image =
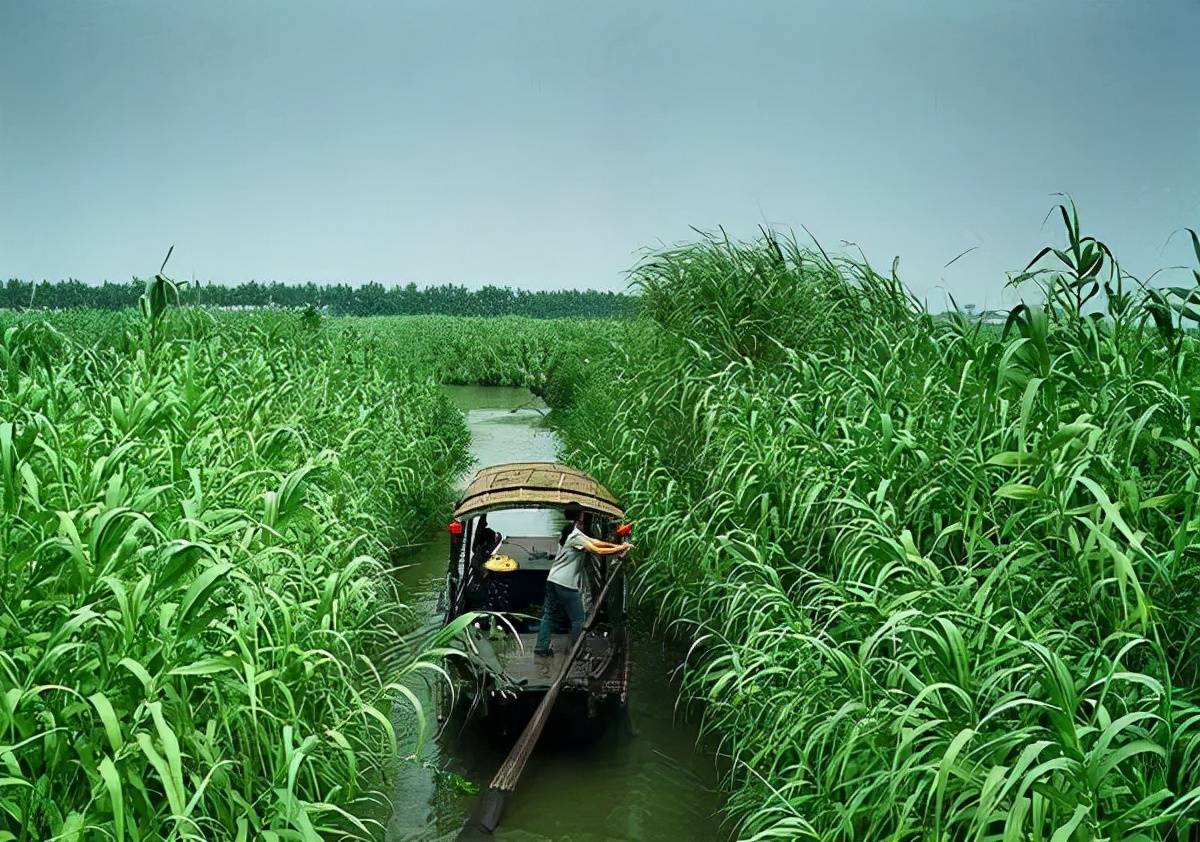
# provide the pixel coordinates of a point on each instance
(656, 784)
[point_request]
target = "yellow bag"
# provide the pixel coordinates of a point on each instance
(500, 564)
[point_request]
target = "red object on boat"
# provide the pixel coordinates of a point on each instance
(455, 528)
(624, 530)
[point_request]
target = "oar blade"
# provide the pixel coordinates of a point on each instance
(485, 817)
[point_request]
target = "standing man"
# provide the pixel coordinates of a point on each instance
(565, 582)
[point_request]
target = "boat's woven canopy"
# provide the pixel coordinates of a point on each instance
(535, 485)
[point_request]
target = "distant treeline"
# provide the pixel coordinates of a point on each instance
(337, 299)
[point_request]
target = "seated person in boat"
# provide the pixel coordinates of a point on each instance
(487, 540)
(565, 582)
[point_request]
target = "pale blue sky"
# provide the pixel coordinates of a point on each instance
(542, 144)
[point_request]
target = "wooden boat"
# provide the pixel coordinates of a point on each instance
(506, 575)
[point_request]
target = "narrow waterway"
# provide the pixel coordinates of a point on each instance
(654, 784)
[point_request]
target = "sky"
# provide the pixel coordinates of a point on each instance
(548, 144)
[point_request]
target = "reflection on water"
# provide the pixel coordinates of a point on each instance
(656, 784)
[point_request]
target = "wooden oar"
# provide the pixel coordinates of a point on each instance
(486, 815)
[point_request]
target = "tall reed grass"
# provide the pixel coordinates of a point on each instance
(194, 594)
(942, 580)
(547, 357)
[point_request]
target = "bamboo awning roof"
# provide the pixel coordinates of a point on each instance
(535, 485)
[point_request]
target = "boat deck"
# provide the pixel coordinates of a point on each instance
(507, 660)
(517, 666)
(540, 672)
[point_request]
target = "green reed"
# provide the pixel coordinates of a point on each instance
(193, 582)
(941, 578)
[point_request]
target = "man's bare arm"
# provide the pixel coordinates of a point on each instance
(604, 548)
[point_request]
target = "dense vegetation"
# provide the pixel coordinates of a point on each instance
(198, 635)
(336, 299)
(942, 578)
(546, 357)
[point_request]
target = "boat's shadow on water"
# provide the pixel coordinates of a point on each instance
(569, 729)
